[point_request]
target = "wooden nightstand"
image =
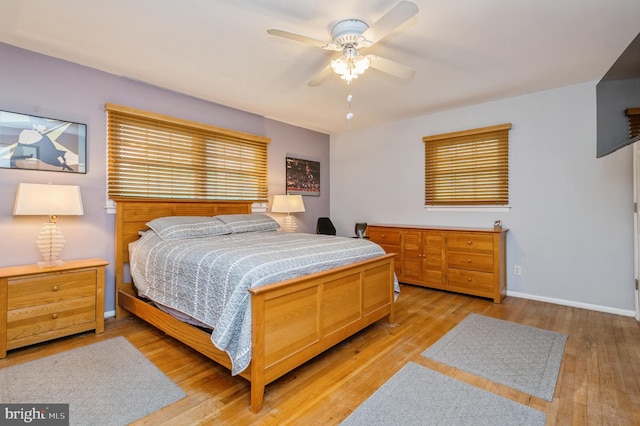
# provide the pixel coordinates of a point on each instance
(39, 304)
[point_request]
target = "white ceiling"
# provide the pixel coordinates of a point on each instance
(464, 51)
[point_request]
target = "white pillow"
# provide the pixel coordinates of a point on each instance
(180, 227)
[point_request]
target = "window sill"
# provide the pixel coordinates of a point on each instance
(491, 209)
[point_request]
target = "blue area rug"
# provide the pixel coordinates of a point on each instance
(416, 395)
(518, 356)
(105, 383)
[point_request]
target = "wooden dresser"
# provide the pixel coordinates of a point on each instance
(39, 304)
(464, 260)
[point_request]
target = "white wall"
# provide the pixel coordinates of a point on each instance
(571, 219)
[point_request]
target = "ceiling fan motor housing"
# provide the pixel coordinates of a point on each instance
(349, 32)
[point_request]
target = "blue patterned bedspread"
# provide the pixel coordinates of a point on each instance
(208, 278)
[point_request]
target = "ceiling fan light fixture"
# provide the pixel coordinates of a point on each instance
(361, 64)
(340, 65)
(350, 65)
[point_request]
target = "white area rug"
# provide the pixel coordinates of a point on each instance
(518, 356)
(106, 383)
(416, 395)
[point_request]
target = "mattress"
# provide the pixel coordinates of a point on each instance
(207, 279)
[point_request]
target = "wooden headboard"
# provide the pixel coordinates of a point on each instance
(132, 216)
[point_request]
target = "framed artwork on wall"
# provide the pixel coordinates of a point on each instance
(30, 142)
(303, 177)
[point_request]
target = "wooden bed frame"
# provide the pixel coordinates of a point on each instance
(292, 321)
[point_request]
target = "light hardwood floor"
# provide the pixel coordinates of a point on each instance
(598, 384)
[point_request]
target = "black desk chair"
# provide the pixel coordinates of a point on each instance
(324, 226)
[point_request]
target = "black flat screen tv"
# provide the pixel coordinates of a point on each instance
(618, 90)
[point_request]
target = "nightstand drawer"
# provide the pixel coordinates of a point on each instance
(40, 304)
(460, 241)
(471, 261)
(34, 320)
(41, 289)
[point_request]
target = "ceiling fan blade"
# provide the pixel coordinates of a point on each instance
(397, 16)
(321, 76)
(298, 37)
(393, 68)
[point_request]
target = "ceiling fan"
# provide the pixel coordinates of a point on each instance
(351, 35)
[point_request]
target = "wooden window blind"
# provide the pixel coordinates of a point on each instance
(470, 167)
(156, 156)
(633, 115)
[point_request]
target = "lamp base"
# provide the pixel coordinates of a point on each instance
(50, 264)
(289, 224)
(50, 243)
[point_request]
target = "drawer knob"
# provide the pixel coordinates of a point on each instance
(54, 288)
(469, 279)
(54, 316)
(468, 260)
(469, 242)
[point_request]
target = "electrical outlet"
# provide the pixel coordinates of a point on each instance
(517, 270)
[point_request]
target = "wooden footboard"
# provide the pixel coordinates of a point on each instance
(292, 321)
(295, 320)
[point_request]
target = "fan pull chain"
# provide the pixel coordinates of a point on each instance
(349, 114)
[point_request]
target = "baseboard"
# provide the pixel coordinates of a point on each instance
(573, 304)
(599, 308)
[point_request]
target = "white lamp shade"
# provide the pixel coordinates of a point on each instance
(46, 200)
(287, 204)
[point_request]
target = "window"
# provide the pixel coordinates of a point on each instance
(468, 168)
(633, 115)
(155, 156)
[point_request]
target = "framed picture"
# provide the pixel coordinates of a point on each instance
(37, 143)
(303, 177)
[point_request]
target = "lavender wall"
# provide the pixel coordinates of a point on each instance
(31, 83)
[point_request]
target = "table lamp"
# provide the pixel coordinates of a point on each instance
(48, 200)
(288, 204)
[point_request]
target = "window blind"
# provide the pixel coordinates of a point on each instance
(470, 167)
(633, 115)
(156, 156)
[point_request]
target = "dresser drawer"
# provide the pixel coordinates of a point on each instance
(470, 241)
(41, 289)
(390, 249)
(470, 261)
(34, 320)
(397, 261)
(471, 279)
(384, 236)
